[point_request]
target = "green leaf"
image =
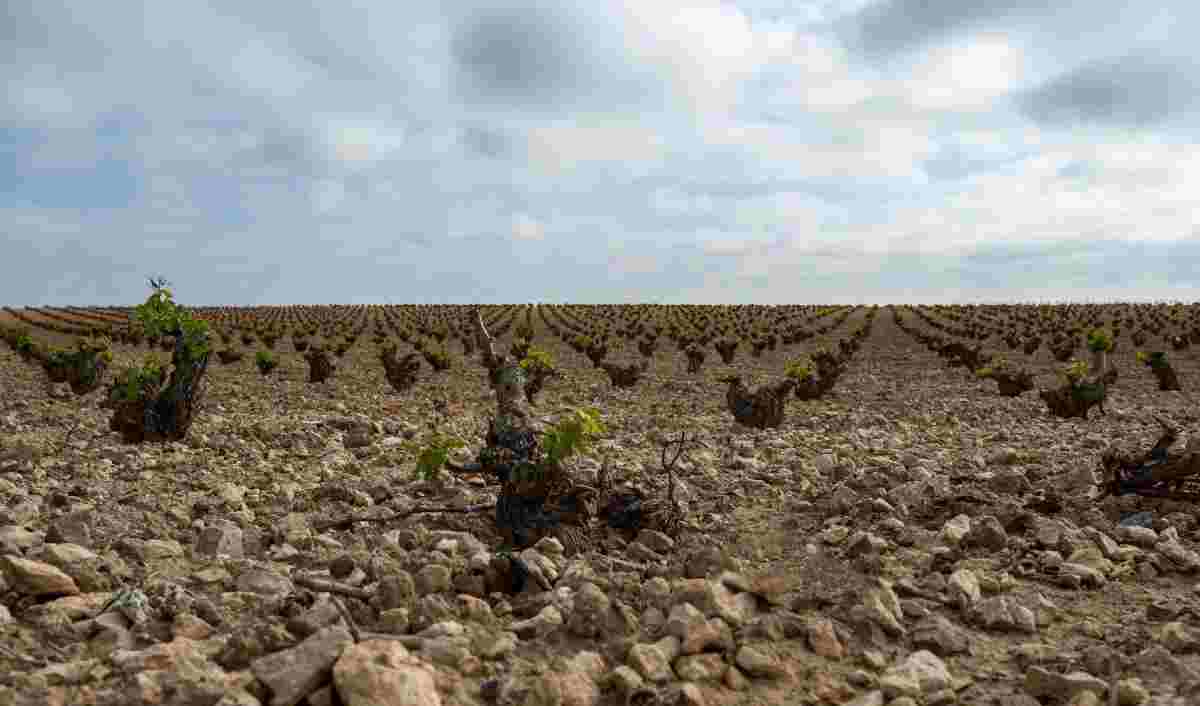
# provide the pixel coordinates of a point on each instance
(537, 359)
(1076, 371)
(137, 383)
(572, 435)
(435, 454)
(799, 369)
(160, 316)
(1099, 340)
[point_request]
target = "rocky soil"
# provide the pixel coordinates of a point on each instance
(913, 539)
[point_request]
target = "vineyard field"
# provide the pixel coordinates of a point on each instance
(905, 531)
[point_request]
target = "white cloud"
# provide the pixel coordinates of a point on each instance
(566, 145)
(526, 227)
(864, 148)
(818, 78)
(48, 222)
(675, 202)
(355, 141)
(709, 48)
(968, 75)
(787, 211)
(726, 246)
(632, 263)
(268, 71)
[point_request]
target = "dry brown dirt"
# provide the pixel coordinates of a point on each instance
(799, 546)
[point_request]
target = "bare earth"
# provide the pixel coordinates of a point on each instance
(914, 538)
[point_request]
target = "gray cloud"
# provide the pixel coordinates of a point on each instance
(1182, 262)
(1107, 262)
(888, 27)
(1136, 90)
(1027, 253)
(546, 56)
(517, 55)
(485, 141)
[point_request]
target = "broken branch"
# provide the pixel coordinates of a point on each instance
(354, 632)
(344, 522)
(329, 586)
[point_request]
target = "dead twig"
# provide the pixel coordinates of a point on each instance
(70, 432)
(681, 445)
(354, 632)
(21, 658)
(1113, 680)
(329, 586)
(624, 564)
(328, 453)
(604, 477)
(345, 522)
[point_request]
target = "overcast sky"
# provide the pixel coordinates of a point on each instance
(596, 151)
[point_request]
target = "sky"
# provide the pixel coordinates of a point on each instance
(837, 151)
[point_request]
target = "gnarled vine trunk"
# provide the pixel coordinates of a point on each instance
(536, 497)
(165, 414)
